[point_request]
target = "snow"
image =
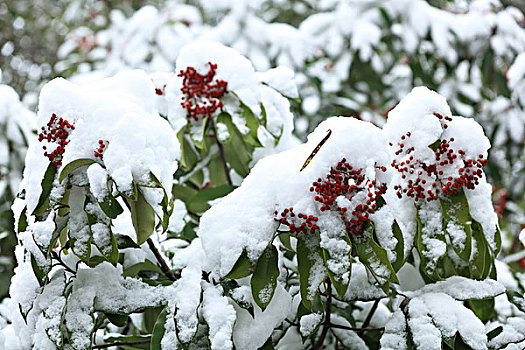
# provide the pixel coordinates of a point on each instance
(349, 338)
(308, 323)
(395, 336)
(220, 317)
(251, 333)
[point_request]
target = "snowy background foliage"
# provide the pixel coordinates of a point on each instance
(262, 174)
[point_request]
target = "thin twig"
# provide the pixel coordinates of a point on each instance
(120, 343)
(291, 322)
(221, 152)
(370, 314)
(358, 329)
(62, 263)
(163, 266)
(328, 311)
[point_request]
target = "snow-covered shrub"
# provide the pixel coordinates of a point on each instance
(102, 179)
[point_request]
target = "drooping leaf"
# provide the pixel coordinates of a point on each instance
(70, 167)
(399, 248)
(310, 267)
(199, 203)
(374, 256)
(142, 217)
(118, 320)
(46, 185)
(483, 309)
(243, 267)
(264, 279)
(158, 331)
(125, 241)
(456, 222)
(229, 286)
(111, 207)
(428, 267)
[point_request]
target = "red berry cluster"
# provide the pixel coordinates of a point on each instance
(57, 130)
(202, 95)
(101, 147)
(431, 178)
(297, 222)
(344, 181)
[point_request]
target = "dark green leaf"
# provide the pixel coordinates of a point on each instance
(309, 256)
(264, 279)
(199, 203)
(456, 217)
(268, 345)
(229, 286)
(125, 241)
(517, 299)
(134, 270)
(40, 275)
(480, 262)
(22, 221)
(494, 333)
(143, 218)
(399, 248)
(483, 309)
(158, 331)
(46, 185)
(243, 267)
(119, 320)
(285, 240)
(70, 167)
(374, 256)
(111, 207)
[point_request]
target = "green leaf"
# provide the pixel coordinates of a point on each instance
(427, 268)
(243, 267)
(456, 217)
(226, 119)
(494, 333)
(146, 265)
(22, 221)
(40, 275)
(119, 320)
(184, 193)
(125, 241)
(199, 203)
(480, 262)
(111, 207)
(339, 285)
(309, 258)
(252, 122)
(143, 218)
(158, 331)
(285, 240)
(70, 167)
(189, 156)
(46, 185)
(229, 286)
(399, 248)
(374, 256)
(238, 154)
(264, 279)
(434, 146)
(150, 317)
(483, 309)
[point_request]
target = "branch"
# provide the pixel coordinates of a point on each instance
(370, 314)
(328, 311)
(120, 343)
(62, 263)
(163, 266)
(358, 329)
(221, 152)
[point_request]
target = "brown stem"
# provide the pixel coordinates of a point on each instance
(120, 343)
(221, 152)
(358, 329)
(370, 314)
(328, 311)
(163, 266)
